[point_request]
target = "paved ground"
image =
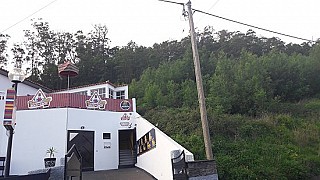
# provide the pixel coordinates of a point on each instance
(118, 174)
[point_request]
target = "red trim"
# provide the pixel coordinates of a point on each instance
(73, 101)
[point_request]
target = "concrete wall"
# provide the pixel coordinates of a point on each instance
(36, 131)
(23, 89)
(101, 122)
(157, 161)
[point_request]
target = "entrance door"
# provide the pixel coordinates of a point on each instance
(84, 141)
(127, 148)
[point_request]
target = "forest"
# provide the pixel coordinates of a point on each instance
(262, 94)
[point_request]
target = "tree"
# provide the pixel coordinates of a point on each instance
(3, 54)
(18, 55)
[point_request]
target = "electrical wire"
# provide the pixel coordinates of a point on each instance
(28, 16)
(245, 24)
(256, 27)
(215, 3)
(172, 2)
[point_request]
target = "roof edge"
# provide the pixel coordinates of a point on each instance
(28, 82)
(89, 85)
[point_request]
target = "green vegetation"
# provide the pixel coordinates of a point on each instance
(262, 95)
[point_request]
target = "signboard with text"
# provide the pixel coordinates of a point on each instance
(147, 142)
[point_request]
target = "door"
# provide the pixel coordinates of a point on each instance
(84, 141)
(127, 148)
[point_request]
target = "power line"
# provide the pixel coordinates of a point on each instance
(256, 27)
(28, 16)
(245, 24)
(215, 3)
(172, 2)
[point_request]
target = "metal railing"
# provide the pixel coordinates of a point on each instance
(183, 170)
(73, 164)
(179, 167)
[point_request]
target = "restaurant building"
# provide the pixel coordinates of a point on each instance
(99, 119)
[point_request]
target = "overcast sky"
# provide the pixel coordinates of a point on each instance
(150, 21)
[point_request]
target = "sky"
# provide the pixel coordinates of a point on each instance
(151, 21)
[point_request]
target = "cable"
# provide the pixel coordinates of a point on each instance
(245, 24)
(210, 9)
(28, 16)
(172, 2)
(213, 5)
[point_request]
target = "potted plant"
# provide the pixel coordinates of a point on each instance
(51, 160)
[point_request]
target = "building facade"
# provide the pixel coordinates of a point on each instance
(99, 119)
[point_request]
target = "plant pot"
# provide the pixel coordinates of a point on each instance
(49, 162)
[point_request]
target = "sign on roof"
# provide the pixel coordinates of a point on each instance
(125, 105)
(39, 100)
(95, 102)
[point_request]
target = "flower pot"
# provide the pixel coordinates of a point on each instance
(49, 162)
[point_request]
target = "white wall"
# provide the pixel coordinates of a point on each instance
(157, 161)
(23, 89)
(100, 122)
(85, 88)
(36, 131)
(106, 85)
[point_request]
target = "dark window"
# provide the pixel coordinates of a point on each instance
(120, 95)
(101, 92)
(110, 93)
(106, 135)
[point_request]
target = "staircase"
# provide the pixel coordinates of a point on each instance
(127, 158)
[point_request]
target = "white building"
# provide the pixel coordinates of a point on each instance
(99, 119)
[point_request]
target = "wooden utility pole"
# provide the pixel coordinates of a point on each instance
(201, 98)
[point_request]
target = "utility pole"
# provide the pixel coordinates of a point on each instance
(201, 98)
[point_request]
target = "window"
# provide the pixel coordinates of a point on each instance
(82, 92)
(101, 92)
(106, 135)
(111, 93)
(120, 95)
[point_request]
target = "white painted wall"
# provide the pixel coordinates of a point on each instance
(36, 131)
(106, 85)
(23, 89)
(157, 161)
(100, 122)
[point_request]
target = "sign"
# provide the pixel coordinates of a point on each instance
(147, 142)
(39, 100)
(95, 102)
(125, 120)
(125, 105)
(107, 145)
(9, 110)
